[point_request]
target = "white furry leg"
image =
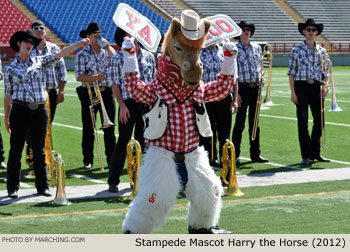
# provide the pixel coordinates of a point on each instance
(158, 187)
(203, 190)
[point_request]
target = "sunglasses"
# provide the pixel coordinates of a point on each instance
(28, 41)
(310, 30)
(37, 28)
(246, 29)
(96, 35)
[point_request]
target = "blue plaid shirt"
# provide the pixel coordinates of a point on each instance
(56, 73)
(249, 60)
(211, 58)
(147, 69)
(26, 81)
(0, 68)
(305, 63)
(89, 62)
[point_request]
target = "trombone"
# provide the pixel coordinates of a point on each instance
(228, 161)
(133, 155)
(325, 67)
(268, 53)
(266, 62)
(96, 99)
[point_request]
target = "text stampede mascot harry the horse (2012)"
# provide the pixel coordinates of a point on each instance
(173, 160)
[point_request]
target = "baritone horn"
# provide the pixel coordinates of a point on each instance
(95, 96)
(228, 161)
(58, 179)
(266, 62)
(134, 156)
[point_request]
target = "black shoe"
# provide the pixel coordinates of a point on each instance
(215, 163)
(13, 194)
(3, 165)
(238, 161)
(305, 161)
(45, 192)
(321, 159)
(259, 159)
(212, 230)
(113, 188)
(87, 165)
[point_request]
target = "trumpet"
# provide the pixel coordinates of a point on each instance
(95, 100)
(228, 161)
(133, 155)
(58, 180)
(266, 62)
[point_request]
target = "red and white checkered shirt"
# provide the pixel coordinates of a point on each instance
(181, 134)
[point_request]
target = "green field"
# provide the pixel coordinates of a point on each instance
(321, 207)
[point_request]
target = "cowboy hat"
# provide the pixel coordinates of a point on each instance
(250, 26)
(22, 35)
(192, 27)
(93, 27)
(310, 22)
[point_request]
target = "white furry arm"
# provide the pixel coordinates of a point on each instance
(130, 59)
(229, 64)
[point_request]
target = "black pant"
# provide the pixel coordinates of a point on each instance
(2, 151)
(23, 120)
(88, 130)
(53, 105)
(125, 131)
(308, 95)
(220, 120)
(249, 97)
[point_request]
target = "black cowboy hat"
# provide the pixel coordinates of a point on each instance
(22, 35)
(93, 27)
(119, 36)
(37, 23)
(310, 22)
(250, 26)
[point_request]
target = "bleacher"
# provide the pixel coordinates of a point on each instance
(67, 17)
(11, 20)
(271, 22)
(334, 14)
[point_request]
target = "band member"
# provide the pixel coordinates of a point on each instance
(305, 79)
(25, 89)
(249, 60)
(91, 66)
(55, 76)
(130, 111)
(2, 151)
(219, 112)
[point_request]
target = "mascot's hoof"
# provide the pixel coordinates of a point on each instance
(212, 230)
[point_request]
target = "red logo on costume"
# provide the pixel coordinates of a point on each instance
(152, 199)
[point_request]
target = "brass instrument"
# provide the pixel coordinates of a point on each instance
(325, 67)
(268, 52)
(96, 99)
(133, 155)
(48, 138)
(266, 62)
(58, 179)
(228, 161)
(326, 60)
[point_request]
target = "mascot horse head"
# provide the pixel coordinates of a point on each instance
(183, 43)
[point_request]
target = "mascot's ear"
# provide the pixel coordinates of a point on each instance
(207, 26)
(175, 27)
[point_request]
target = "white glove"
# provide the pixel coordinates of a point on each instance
(229, 64)
(129, 53)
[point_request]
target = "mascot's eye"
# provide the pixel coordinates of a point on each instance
(178, 49)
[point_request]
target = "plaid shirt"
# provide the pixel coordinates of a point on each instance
(181, 134)
(0, 67)
(26, 81)
(249, 60)
(56, 73)
(211, 58)
(147, 69)
(305, 63)
(89, 62)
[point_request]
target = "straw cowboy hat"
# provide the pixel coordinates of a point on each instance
(93, 27)
(192, 27)
(22, 35)
(310, 22)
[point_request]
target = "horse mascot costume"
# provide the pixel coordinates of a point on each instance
(173, 161)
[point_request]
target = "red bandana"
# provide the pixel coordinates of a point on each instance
(169, 75)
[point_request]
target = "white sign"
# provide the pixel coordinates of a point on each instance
(222, 27)
(137, 26)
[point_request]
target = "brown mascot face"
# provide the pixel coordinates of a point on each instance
(185, 53)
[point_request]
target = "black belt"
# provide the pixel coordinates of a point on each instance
(311, 81)
(248, 84)
(180, 157)
(30, 105)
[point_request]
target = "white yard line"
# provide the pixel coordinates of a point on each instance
(88, 179)
(21, 184)
(277, 165)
